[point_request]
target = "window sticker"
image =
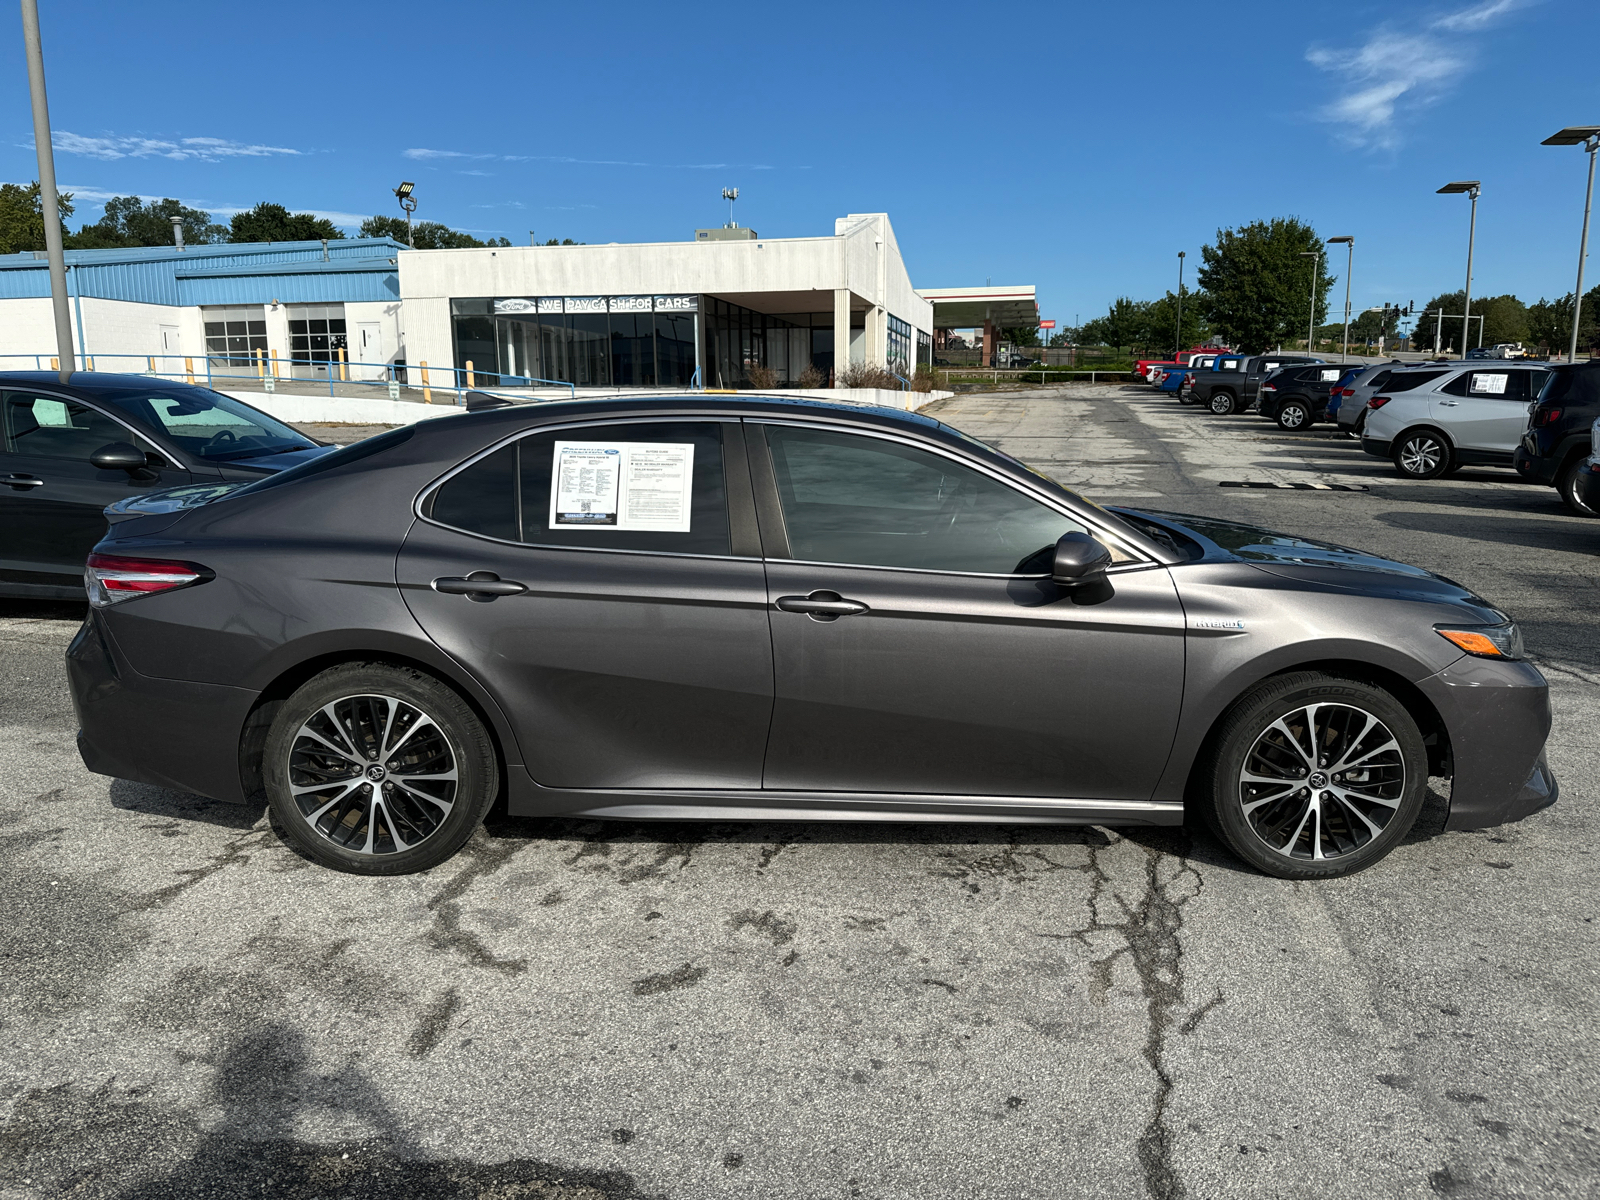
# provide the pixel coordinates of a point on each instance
(1488, 385)
(622, 485)
(1271, 366)
(1328, 376)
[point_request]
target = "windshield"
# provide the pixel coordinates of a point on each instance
(208, 424)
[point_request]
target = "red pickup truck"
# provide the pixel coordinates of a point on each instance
(1143, 367)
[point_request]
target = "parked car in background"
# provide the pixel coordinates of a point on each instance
(389, 640)
(1586, 482)
(1480, 352)
(1172, 378)
(1146, 368)
(1433, 419)
(1349, 405)
(71, 449)
(1232, 383)
(1297, 397)
(1559, 434)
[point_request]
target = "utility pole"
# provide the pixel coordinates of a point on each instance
(47, 188)
(1177, 342)
(1316, 274)
(1350, 244)
(1471, 187)
(1587, 136)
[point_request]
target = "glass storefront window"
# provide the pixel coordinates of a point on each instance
(316, 335)
(899, 347)
(233, 335)
(516, 341)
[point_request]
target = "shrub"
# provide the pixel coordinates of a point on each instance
(923, 380)
(764, 378)
(863, 375)
(810, 378)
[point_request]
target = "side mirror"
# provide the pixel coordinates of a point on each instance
(118, 456)
(1079, 560)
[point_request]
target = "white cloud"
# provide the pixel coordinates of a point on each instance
(424, 155)
(202, 149)
(1396, 71)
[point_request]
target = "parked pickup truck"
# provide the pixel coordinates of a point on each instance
(1234, 380)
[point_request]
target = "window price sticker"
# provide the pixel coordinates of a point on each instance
(645, 486)
(1489, 385)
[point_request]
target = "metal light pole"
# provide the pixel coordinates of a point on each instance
(1588, 136)
(1316, 272)
(1471, 187)
(1177, 341)
(409, 203)
(1350, 244)
(47, 188)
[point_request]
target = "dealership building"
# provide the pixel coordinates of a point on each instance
(704, 312)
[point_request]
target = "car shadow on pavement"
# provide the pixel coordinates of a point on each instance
(163, 802)
(1581, 535)
(42, 610)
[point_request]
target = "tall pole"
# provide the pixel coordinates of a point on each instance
(1350, 264)
(47, 188)
(1583, 251)
(1177, 343)
(1466, 308)
(1316, 273)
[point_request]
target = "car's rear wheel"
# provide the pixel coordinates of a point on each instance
(1294, 415)
(1571, 494)
(378, 769)
(1313, 776)
(1222, 403)
(1422, 454)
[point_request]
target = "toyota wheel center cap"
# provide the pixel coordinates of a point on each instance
(376, 773)
(1318, 779)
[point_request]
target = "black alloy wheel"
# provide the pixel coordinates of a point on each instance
(1314, 776)
(1567, 486)
(1294, 414)
(378, 769)
(1422, 454)
(1222, 403)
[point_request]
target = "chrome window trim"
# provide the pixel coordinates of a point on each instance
(1041, 497)
(495, 447)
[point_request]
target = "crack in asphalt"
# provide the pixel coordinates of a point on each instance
(233, 852)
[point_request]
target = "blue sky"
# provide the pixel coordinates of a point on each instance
(1077, 147)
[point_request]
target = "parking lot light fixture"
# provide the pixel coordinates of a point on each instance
(409, 203)
(1471, 187)
(1350, 262)
(1587, 136)
(1177, 340)
(1316, 271)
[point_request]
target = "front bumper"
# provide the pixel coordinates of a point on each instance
(1375, 447)
(167, 732)
(1497, 715)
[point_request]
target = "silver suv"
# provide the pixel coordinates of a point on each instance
(1437, 417)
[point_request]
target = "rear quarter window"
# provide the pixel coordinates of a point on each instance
(1408, 380)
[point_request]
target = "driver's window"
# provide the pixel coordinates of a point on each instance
(48, 427)
(873, 502)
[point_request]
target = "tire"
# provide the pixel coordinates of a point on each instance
(339, 796)
(1567, 485)
(1222, 403)
(1268, 742)
(1422, 454)
(1293, 415)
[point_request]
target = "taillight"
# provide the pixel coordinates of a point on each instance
(1345, 393)
(1188, 378)
(1377, 401)
(1269, 387)
(110, 579)
(1546, 416)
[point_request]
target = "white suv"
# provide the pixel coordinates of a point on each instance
(1436, 417)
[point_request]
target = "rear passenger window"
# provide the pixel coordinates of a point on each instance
(651, 486)
(57, 428)
(1381, 378)
(1490, 385)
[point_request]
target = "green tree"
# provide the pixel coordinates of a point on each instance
(1505, 319)
(1260, 291)
(428, 235)
(130, 221)
(1163, 322)
(268, 222)
(22, 217)
(1550, 323)
(1020, 336)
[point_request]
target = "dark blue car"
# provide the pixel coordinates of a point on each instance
(69, 450)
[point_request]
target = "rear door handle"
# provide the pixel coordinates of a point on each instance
(482, 586)
(22, 481)
(1448, 403)
(821, 605)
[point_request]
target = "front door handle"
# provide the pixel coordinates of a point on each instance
(821, 606)
(22, 481)
(1448, 403)
(482, 586)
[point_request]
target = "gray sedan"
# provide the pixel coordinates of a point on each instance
(754, 608)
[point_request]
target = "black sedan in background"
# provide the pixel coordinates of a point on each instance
(69, 450)
(756, 608)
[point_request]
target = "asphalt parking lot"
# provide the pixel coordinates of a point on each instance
(820, 1010)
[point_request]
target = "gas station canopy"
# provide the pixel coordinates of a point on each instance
(970, 307)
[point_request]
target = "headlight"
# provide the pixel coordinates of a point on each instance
(1485, 641)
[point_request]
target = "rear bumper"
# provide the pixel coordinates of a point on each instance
(1376, 448)
(165, 732)
(1497, 715)
(1535, 469)
(1587, 486)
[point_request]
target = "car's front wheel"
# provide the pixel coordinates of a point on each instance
(1422, 454)
(1313, 776)
(1222, 403)
(1294, 415)
(1572, 495)
(378, 769)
